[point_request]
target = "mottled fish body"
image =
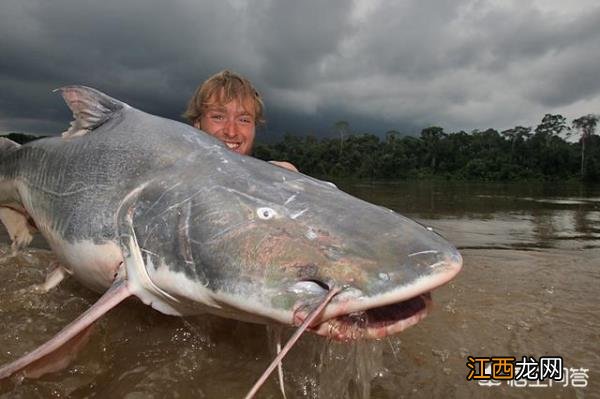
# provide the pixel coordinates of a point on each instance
(157, 209)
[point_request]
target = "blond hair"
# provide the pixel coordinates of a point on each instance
(223, 87)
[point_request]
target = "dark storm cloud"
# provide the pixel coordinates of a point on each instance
(147, 53)
(380, 65)
(295, 37)
(466, 64)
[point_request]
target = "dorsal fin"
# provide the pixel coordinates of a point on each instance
(91, 108)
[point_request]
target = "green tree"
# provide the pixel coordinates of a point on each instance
(586, 125)
(432, 137)
(516, 135)
(391, 136)
(552, 125)
(342, 128)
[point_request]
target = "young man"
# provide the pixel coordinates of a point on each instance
(228, 107)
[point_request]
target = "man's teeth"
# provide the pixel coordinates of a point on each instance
(232, 145)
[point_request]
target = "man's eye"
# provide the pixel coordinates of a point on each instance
(217, 117)
(246, 120)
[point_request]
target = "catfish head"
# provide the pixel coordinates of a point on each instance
(240, 238)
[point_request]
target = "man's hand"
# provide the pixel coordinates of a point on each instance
(284, 164)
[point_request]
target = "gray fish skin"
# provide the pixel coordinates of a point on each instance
(203, 229)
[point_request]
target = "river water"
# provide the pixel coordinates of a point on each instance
(529, 287)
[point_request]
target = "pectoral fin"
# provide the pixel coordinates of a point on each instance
(74, 331)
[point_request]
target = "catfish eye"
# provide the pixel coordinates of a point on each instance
(265, 213)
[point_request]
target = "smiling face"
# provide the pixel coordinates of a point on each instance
(233, 123)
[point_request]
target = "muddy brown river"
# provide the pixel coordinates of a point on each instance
(530, 286)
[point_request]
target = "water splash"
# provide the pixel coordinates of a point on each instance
(319, 368)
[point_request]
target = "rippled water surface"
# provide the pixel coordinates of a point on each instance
(530, 286)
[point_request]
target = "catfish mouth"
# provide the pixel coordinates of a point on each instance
(352, 316)
(375, 323)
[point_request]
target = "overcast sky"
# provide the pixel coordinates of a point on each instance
(380, 65)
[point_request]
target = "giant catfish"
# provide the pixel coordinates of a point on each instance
(133, 204)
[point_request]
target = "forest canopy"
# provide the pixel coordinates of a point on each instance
(553, 150)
